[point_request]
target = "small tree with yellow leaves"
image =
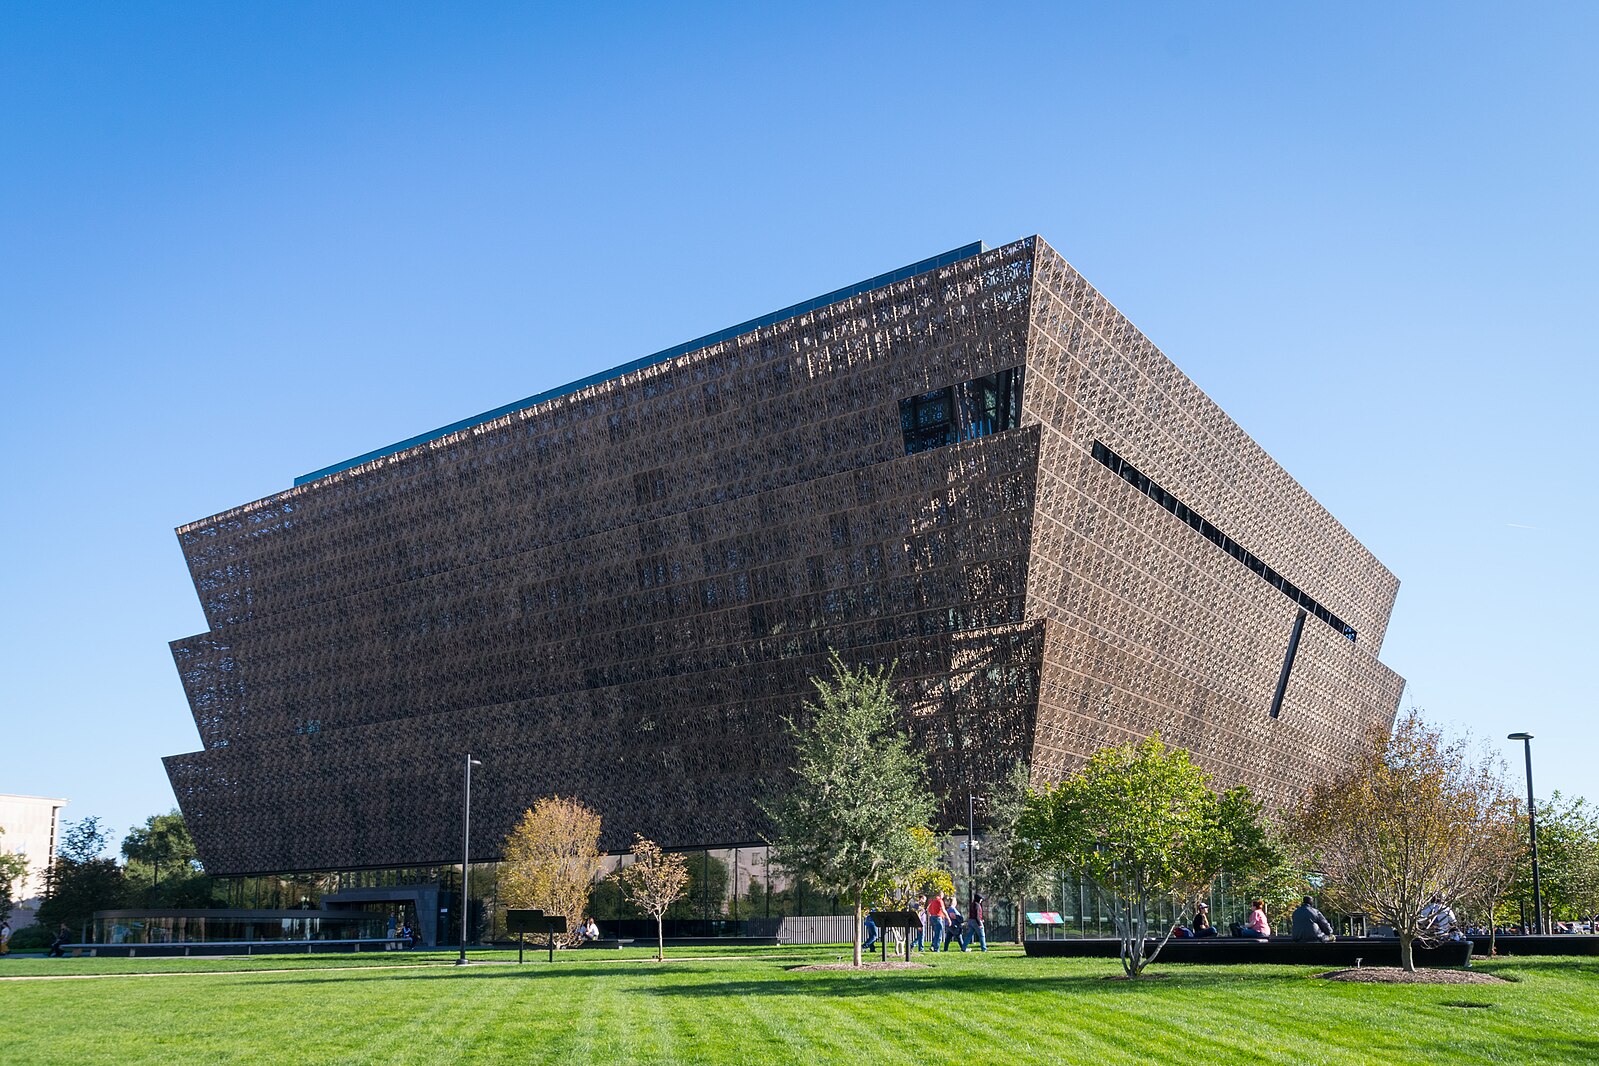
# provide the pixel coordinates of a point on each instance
(652, 882)
(552, 859)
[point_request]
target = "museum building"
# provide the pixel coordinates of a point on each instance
(973, 467)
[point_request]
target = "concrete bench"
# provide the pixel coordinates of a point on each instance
(1369, 951)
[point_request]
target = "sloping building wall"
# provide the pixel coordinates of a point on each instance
(620, 592)
(1150, 624)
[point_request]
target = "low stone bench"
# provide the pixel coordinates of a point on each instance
(1368, 951)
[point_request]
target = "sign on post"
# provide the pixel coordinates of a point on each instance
(523, 922)
(897, 920)
(1047, 919)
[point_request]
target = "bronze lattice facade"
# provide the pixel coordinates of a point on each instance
(975, 467)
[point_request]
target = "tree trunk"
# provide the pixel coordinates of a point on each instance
(1140, 934)
(859, 891)
(660, 939)
(1128, 933)
(1407, 958)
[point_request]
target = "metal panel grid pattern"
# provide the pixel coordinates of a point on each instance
(1148, 625)
(619, 594)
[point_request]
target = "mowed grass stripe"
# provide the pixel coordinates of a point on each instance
(998, 1008)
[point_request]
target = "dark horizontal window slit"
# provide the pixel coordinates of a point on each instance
(1139, 481)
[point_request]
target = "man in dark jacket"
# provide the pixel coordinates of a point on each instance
(1310, 923)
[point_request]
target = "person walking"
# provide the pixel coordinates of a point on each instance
(921, 921)
(5, 938)
(974, 928)
(935, 919)
(870, 925)
(956, 921)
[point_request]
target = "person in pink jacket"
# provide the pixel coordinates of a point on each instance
(1257, 925)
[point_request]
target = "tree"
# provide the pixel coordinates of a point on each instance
(1141, 821)
(163, 841)
(80, 880)
(552, 859)
(652, 882)
(1503, 842)
(902, 892)
(1568, 859)
(1282, 878)
(13, 868)
(1009, 866)
(845, 815)
(1415, 820)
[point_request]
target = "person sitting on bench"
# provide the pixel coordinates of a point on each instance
(1256, 924)
(1202, 926)
(1310, 924)
(1438, 919)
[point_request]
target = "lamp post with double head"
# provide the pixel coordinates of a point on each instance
(1532, 833)
(466, 852)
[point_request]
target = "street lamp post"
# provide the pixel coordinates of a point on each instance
(466, 852)
(1532, 833)
(971, 847)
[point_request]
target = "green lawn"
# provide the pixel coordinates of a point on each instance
(618, 1008)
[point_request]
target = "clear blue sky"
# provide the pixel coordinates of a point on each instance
(240, 242)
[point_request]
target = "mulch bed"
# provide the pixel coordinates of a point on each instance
(1397, 975)
(891, 964)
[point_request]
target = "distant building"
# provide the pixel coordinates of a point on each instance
(973, 467)
(32, 827)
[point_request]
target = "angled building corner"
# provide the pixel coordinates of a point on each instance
(618, 589)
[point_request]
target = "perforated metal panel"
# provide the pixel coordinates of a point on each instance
(619, 593)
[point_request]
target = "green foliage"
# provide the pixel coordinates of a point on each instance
(846, 813)
(163, 840)
(1279, 875)
(163, 867)
(81, 881)
(1141, 821)
(180, 886)
(32, 937)
(13, 868)
(901, 892)
(83, 840)
(1009, 866)
(1568, 859)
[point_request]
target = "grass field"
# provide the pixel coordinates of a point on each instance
(748, 1006)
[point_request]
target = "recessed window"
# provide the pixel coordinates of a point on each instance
(972, 409)
(1128, 473)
